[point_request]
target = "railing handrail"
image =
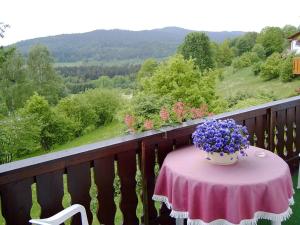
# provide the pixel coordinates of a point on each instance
(63, 155)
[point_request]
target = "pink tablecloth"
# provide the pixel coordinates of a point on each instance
(242, 193)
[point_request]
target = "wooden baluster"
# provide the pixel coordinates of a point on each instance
(164, 148)
(260, 128)
(250, 124)
(50, 191)
(127, 172)
(148, 182)
(271, 121)
(104, 172)
(16, 202)
(290, 119)
(79, 184)
(280, 123)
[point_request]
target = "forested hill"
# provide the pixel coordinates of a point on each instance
(111, 45)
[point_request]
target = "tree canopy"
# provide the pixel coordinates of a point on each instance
(272, 39)
(45, 80)
(196, 45)
(180, 80)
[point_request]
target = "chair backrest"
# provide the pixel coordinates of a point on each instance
(62, 216)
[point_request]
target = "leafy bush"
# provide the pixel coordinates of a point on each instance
(257, 68)
(239, 96)
(224, 54)
(180, 80)
(246, 99)
(148, 106)
(78, 109)
(19, 136)
(58, 130)
(259, 50)
(105, 104)
(272, 39)
(55, 128)
(245, 60)
(286, 69)
(270, 69)
(92, 108)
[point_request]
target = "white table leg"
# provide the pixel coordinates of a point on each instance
(276, 223)
(181, 221)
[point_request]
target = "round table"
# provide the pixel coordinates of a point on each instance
(251, 189)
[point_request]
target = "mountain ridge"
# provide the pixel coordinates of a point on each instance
(117, 44)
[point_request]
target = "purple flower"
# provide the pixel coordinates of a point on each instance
(224, 136)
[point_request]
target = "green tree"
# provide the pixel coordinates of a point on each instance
(103, 82)
(105, 104)
(224, 54)
(270, 69)
(46, 81)
(19, 135)
(259, 50)
(246, 42)
(272, 39)
(55, 127)
(79, 110)
(245, 60)
(196, 45)
(14, 86)
(286, 69)
(147, 69)
(289, 30)
(180, 80)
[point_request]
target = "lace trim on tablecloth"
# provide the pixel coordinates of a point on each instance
(258, 215)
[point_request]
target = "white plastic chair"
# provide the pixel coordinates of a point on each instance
(62, 216)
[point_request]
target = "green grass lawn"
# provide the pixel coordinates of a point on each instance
(116, 128)
(244, 80)
(111, 130)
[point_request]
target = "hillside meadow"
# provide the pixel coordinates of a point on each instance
(244, 82)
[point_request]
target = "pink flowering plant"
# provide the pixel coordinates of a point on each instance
(166, 115)
(222, 136)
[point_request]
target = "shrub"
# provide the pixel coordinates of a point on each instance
(19, 135)
(286, 69)
(239, 96)
(78, 109)
(270, 69)
(257, 68)
(58, 130)
(259, 50)
(272, 39)
(55, 128)
(148, 106)
(245, 60)
(180, 80)
(105, 104)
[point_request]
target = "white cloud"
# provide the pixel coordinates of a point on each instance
(34, 18)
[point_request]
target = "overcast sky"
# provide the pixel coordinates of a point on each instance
(37, 18)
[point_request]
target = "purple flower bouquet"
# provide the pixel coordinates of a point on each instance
(222, 140)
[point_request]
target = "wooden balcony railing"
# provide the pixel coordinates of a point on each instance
(274, 126)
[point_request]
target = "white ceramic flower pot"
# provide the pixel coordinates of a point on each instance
(226, 159)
